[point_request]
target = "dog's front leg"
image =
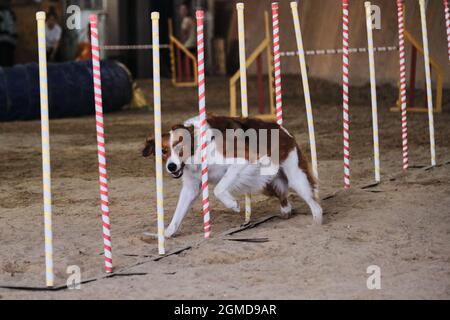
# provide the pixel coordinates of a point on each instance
(189, 192)
(222, 190)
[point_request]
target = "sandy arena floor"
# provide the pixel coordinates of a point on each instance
(402, 225)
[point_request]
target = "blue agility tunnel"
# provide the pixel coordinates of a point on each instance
(71, 90)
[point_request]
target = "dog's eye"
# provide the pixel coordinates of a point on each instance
(164, 151)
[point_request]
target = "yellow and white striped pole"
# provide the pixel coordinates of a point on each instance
(40, 17)
(158, 132)
(373, 88)
(309, 113)
(244, 99)
(428, 80)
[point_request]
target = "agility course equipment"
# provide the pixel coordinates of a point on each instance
(132, 47)
(100, 126)
(244, 98)
(181, 74)
(429, 63)
(307, 95)
(46, 169)
(447, 24)
(97, 84)
(98, 98)
(256, 55)
(70, 90)
(428, 80)
(323, 52)
(158, 133)
(436, 70)
(373, 90)
(203, 124)
(183, 71)
(242, 59)
(345, 89)
(402, 61)
(277, 63)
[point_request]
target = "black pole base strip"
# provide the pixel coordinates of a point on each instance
(119, 273)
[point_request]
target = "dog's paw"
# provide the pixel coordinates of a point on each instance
(169, 232)
(286, 212)
(236, 207)
(285, 216)
(317, 213)
(318, 219)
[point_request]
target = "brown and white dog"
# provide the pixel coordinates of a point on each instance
(232, 171)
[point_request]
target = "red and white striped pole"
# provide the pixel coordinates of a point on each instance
(277, 62)
(447, 24)
(101, 144)
(345, 89)
(402, 59)
(202, 112)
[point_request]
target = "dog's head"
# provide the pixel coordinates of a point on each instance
(177, 148)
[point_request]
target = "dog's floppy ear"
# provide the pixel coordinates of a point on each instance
(149, 149)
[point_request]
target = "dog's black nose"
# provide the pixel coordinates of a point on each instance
(172, 167)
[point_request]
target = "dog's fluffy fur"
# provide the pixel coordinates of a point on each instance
(230, 179)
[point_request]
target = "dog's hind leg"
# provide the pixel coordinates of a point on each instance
(279, 188)
(298, 180)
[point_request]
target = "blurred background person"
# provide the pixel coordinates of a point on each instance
(188, 27)
(54, 33)
(8, 34)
